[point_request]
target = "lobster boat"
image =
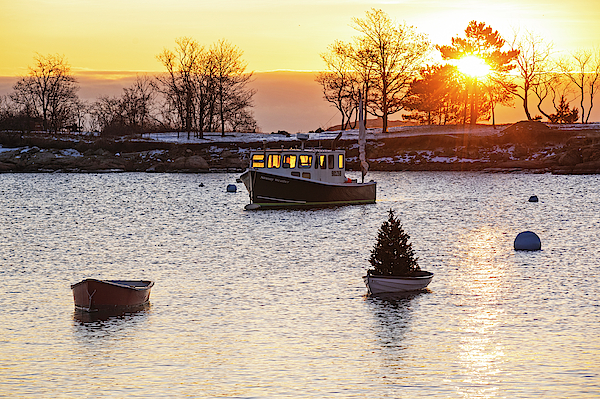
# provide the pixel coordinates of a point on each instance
(291, 178)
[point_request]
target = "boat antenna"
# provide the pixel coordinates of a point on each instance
(362, 139)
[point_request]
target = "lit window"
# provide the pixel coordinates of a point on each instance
(305, 161)
(341, 161)
(258, 161)
(289, 161)
(322, 162)
(274, 161)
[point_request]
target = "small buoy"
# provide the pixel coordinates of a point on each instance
(231, 188)
(201, 184)
(533, 198)
(252, 207)
(528, 241)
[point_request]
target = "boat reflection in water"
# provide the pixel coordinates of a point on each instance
(98, 317)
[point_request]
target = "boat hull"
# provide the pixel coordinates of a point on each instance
(273, 191)
(395, 284)
(93, 295)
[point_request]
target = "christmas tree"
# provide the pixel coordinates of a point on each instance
(393, 254)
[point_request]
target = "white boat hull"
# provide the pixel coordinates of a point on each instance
(391, 284)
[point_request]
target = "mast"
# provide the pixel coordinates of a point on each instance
(362, 139)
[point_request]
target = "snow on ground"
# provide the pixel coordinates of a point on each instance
(352, 134)
(399, 131)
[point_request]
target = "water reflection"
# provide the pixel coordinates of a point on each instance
(110, 321)
(393, 318)
(481, 282)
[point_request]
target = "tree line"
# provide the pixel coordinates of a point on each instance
(390, 66)
(202, 90)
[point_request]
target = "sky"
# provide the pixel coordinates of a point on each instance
(116, 39)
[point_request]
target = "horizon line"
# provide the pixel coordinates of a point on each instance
(129, 73)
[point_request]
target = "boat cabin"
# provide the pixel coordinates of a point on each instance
(314, 164)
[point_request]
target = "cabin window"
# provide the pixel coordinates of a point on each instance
(289, 161)
(306, 175)
(305, 161)
(322, 161)
(330, 159)
(341, 161)
(258, 160)
(274, 161)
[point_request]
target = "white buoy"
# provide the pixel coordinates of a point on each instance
(528, 241)
(533, 198)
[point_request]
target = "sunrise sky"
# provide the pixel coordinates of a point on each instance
(109, 38)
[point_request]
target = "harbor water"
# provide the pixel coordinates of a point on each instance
(271, 304)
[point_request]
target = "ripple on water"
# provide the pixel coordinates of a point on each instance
(271, 303)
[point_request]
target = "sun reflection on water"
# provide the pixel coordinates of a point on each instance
(481, 282)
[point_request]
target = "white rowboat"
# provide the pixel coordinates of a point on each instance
(390, 284)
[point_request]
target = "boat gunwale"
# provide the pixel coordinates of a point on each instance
(149, 284)
(426, 276)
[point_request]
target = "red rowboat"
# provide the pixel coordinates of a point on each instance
(92, 295)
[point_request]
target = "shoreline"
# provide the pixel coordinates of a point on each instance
(527, 146)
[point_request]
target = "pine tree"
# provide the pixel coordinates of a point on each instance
(393, 255)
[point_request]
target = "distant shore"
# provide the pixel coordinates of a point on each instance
(526, 146)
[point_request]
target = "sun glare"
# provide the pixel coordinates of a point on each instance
(473, 66)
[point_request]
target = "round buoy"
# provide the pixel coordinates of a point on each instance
(231, 188)
(528, 241)
(533, 198)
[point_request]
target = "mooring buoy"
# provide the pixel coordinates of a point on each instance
(231, 188)
(533, 198)
(528, 241)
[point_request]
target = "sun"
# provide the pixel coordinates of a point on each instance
(473, 66)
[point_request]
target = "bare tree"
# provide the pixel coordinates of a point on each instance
(340, 83)
(107, 115)
(231, 80)
(136, 103)
(533, 64)
(583, 70)
(365, 66)
(179, 85)
(397, 52)
(49, 91)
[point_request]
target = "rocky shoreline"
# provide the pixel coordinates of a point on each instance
(531, 147)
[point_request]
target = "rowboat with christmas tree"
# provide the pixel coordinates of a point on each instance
(395, 267)
(390, 284)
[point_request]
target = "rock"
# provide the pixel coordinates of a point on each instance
(5, 167)
(41, 158)
(192, 163)
(520, 152)
(570, 158)
(590, 154)
(9, 156)
(196, 162)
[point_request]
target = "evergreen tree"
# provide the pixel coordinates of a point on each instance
(564, 114)
(393, 254)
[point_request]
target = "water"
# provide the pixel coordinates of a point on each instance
(272, 304)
